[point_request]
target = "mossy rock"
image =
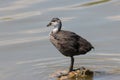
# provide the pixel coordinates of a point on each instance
(77, 74)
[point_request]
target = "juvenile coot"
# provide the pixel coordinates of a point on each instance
(68, 43)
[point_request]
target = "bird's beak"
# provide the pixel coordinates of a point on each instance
(49, 24)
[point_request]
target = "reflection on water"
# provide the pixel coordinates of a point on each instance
(27, 54)
(92, 3)
(20, 16)
(95, 2)
(7, 18)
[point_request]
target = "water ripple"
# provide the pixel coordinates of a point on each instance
(91, 3)
(38, 60)
(20, 4)
(21, 40)
(22, 15)
(114, 18)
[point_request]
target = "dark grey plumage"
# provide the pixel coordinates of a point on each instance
(68, 43)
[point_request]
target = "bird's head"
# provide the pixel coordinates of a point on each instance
(56, 22)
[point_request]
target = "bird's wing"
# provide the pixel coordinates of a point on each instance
(68, 40)
(74, 41)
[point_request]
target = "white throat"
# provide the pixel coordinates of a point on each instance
(57, 27)
(55, 30)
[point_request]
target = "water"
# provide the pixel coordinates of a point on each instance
(27, 54)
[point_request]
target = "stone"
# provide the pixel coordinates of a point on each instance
(78, 74)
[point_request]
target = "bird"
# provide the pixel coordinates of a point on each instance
(68, 43)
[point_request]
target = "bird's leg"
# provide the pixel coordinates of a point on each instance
(72, 63)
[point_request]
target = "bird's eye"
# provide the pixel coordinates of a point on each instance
(53, 21)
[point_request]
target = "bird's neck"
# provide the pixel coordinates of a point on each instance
(57, 28)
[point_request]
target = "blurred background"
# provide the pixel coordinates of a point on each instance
(26, 52)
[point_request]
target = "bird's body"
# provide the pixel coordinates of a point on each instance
(67, 42)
